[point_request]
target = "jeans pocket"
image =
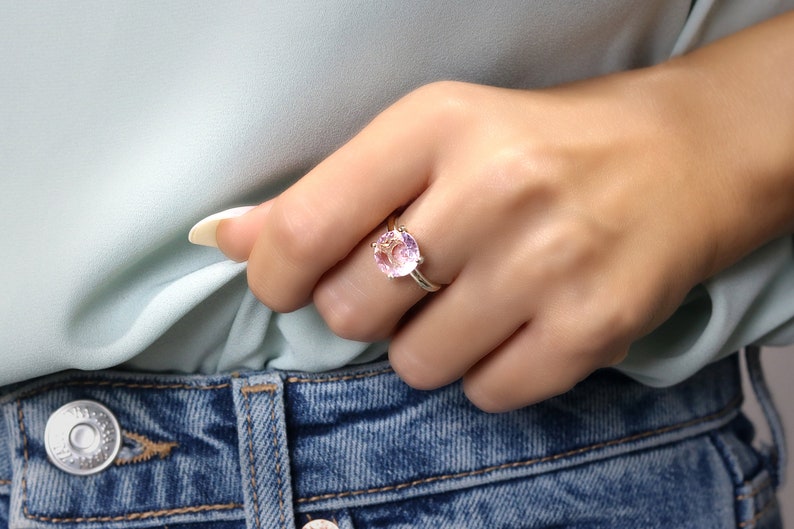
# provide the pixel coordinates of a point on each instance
(681, 485)
(754, 491)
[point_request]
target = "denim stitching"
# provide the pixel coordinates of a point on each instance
(401, 486)
(345, 378)
(755, 492)
(111, 384)
(766, 508)
(251, 467)
(763, 512)
(279, 481)
(138, 515)
(530, 462)
(107, 383)
(135, 385)
(162, 449)
(259, 388)
(131, 516)
(271, 389)
(21, 419)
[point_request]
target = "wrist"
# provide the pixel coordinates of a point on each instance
(737, 130)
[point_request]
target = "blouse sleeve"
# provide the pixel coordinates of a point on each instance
(750, 303)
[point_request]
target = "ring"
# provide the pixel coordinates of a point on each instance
(397, 255)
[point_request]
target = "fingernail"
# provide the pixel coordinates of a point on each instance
(203, 233)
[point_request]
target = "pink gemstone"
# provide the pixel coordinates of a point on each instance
(396, 253)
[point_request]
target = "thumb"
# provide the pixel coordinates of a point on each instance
(232, 231)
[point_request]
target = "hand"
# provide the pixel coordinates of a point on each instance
(565, 223)
(562, 224)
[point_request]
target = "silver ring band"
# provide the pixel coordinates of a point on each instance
(424, 282)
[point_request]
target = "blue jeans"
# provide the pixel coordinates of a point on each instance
(360, 448)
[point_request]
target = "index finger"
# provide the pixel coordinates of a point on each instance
(318, 221)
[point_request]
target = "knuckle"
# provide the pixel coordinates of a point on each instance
(269, 294)
(519, 179)
(604, 347)
(440, 101)
(616, 356)
(414, 371)
(484, 399)
(502, 398)
(348, 315)
(344, 324)
(418, 379)
(257, 285)
(564, 252)
(438, 91)
(559, 387)
(522, 158)
(617, 325)
(346, 321)
(296, 233)
(568, 243)
(529, 165)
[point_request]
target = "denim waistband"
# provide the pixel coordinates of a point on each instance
(264, 445)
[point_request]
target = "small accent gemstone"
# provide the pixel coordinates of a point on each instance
(397, 253)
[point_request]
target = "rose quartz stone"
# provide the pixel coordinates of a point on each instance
(396, 253)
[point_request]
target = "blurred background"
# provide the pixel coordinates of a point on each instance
(779, 369)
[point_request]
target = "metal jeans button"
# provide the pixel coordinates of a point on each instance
(82, 437)
(320, 524)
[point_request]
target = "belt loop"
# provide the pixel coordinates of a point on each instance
(5, 454)
(776, 454)
(264, 457)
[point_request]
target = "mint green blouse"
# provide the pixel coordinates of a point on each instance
(122, 124)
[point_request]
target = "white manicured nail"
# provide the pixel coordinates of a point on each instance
(203, 233)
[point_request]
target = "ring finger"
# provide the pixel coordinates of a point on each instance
(358, 301)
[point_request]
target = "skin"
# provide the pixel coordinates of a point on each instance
(564, 223)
